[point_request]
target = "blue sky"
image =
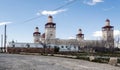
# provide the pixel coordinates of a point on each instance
(89, 15)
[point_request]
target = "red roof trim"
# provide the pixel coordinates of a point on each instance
(80, 34)
(108, 27)
(50, 24)
(36, 33)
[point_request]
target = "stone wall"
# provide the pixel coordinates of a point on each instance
(29, 50)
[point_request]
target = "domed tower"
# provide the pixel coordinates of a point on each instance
(107, 34)
(80, 36)
(50, 29)
(36, 35)
(43, 38)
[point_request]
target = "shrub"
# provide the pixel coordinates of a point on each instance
(101, 60)
(56, 49)
(83, 58)
(118, 60)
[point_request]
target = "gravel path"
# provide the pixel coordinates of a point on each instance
(31, 62)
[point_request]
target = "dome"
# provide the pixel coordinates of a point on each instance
(107, 20)
(37, 28)
(43, 35)
(49, 16)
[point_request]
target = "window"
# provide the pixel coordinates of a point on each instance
(62, 46)
(49, 46)
(51, 34)
(75, 47)
(13, 45)
(27, 45)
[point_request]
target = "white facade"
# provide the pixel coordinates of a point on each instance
(68, 48)
(26, 45)
(64, 44)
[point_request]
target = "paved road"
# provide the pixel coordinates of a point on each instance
(31, 62)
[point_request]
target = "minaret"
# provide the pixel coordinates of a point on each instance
(36, 35)
(107, 34)
(50, 29)
(80, 36)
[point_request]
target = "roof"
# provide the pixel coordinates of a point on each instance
(79, 34)
(50, 24)
(108, 27)
(37, 28)
(49, 16)
(107, 20)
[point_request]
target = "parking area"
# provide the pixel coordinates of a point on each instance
(32, 62)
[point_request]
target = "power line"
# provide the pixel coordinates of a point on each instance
(65, 5)
(32, 19)
(52, 10)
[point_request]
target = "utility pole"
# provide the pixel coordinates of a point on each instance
(5, 39)
(1, 42)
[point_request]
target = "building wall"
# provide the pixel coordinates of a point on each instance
(37, 39)
(50, 33)
(68, 48)
(25, 45)
(64, 44)
(107, 35)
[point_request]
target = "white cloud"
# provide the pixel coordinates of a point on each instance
(116, 33)
(99, 33)
(71, 37)
(93, 2)
(3, 23)
(107, 9)
(45, 12)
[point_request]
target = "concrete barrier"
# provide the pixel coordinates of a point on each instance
(91, 58)
(113, 61)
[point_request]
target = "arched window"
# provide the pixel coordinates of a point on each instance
(27, 45)
(13, 45)
(74, 47)
(62, 46)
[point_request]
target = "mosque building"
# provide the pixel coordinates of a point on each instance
(48, 38)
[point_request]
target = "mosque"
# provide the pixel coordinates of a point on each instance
(48, 39)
